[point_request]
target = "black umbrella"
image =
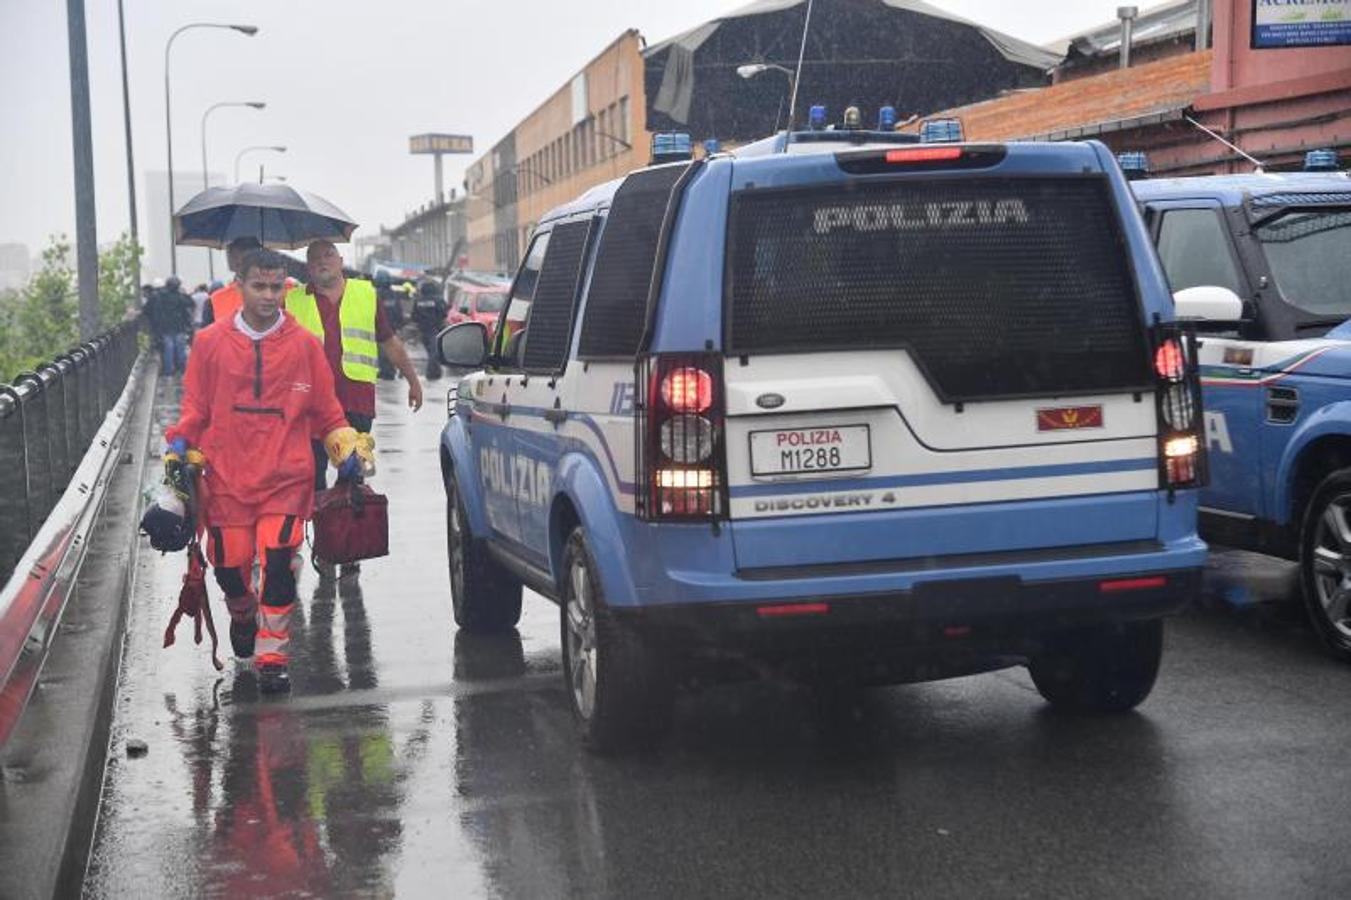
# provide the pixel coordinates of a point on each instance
(276, 214)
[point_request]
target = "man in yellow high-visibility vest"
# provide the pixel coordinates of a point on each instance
(344, 314)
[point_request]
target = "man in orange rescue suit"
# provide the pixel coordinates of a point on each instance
(257, 388)
(345, 314)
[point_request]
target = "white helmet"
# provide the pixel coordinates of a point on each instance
(157, 283)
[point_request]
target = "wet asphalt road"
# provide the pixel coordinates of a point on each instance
(413, 761)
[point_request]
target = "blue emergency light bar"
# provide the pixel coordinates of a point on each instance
(711, 146)
(1134, 164)
(886, 118)
(671, 146)
(816, 117)
(940, 131)
(1321, 161)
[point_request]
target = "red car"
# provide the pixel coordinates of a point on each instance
(473, 302)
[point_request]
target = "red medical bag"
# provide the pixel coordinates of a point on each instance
(351, 523)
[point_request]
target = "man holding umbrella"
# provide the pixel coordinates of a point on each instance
(345, 315)
(257, 389)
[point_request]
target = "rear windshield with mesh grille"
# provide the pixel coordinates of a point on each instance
(616, 302)
(999, 287)
(548, 331)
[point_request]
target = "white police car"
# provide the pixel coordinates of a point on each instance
(1262, 264)
(845, 404)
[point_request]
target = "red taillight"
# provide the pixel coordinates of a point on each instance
(924, 154)
(687, 390)
(783, 610)
(1169, 362)
(1178, 405)
(1133, 584)
(684, 464)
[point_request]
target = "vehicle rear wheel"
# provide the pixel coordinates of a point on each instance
(1109, 668)
(1325, 562)
(618, 686)
(485, 597)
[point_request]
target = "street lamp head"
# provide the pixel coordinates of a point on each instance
(250, 30)
(256, 104)
(750, 70)
(277, 149)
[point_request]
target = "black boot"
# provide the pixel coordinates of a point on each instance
(273, 678)
(242, 635)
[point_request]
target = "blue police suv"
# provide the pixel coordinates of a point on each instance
(840, 404)
(1261, 264)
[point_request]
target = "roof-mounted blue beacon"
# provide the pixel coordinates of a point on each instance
(671, 146)
(940, 131)
(1321, 161)
(1134, 164)
(816, 117)
(886, 118)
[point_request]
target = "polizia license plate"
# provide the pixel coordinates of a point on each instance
(793, 451)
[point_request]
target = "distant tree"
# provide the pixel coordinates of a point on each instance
(43, 319)
(11, 341)
(47, 318)
(118, 289)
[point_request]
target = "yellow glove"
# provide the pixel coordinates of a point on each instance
(341, 443)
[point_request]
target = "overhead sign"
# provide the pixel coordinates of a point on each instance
(1300, 23)
(441, 143)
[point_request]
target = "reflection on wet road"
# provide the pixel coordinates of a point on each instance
(413, 761)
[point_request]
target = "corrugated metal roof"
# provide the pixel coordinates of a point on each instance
(1159, 23)
(1110, 101)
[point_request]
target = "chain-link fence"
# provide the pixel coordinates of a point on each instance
(48, 418)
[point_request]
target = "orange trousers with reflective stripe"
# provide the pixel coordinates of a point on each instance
(232, 550)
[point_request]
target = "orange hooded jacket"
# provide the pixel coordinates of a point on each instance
(252, 407)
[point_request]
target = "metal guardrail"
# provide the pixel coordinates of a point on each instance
(62, 429)
(48, 419)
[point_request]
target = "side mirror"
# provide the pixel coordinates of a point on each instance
(463, 346)
(1208, 303)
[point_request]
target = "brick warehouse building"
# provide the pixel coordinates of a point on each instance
(1274, 104)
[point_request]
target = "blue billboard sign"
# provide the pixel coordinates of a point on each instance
(1300, 23)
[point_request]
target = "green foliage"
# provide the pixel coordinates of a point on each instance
(118, 291)
(42, 319)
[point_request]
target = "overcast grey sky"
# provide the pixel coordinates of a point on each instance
(346, 82)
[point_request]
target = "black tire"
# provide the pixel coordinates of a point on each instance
(485, 597)
(1325, 562)
(620, 691)
(1109, 668)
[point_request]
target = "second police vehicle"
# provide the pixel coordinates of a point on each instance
(844, 403)
(1262, 264)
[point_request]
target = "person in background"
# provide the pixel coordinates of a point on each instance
(429, 312)
(168, 312)
(200, 296)
(391, 304)
(225, 301)
(257, 389)
(344, 314)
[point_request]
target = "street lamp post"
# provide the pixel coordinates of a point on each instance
(251, 104)
(131, 165)
(750, 70)
(249, 30)
(254, 148)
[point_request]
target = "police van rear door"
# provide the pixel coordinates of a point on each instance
(933, 358)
